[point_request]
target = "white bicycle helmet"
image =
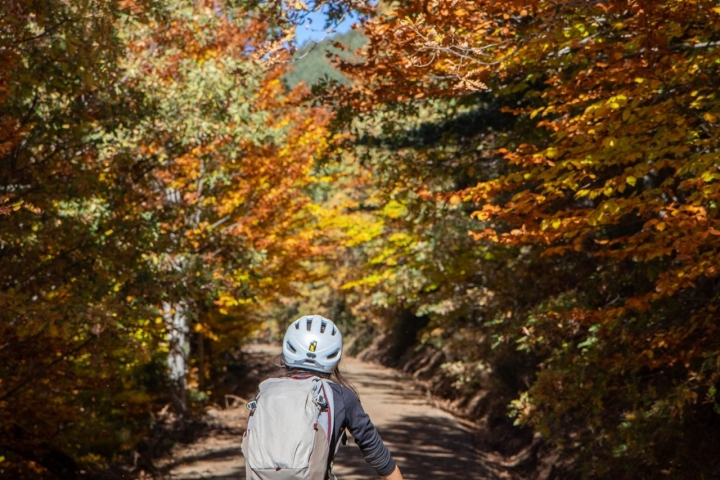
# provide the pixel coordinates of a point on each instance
(312, 342)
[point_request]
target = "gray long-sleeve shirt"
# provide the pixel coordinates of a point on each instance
(350, 414)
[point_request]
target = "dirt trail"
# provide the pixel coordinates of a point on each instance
(427, 443)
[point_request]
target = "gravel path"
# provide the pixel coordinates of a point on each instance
(426, 442)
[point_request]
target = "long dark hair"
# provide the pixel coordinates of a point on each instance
(281, 370)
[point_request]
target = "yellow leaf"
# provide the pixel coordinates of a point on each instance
(631, 180)
(395, 209)
(660, 226)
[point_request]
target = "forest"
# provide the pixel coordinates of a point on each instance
(517, 201)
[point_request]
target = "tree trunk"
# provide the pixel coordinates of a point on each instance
(177, 324)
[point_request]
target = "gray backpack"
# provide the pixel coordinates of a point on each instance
(289, 430)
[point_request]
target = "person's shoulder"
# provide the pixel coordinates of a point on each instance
(344, 391)
(338, 387)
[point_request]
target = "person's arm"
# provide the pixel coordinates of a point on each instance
(395, 475)
(368, 439)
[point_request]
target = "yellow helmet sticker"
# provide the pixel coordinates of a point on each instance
(313, 346)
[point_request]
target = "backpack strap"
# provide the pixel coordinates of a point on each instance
(328, 408)
(329, 414)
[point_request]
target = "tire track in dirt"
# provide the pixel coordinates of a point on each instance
(426, 442)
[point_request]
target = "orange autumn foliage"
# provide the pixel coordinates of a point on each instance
(612, 173)
(234, 169)
(135, 134)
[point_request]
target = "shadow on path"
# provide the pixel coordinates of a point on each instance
(219, 455)
(424, 448)
(426, 442)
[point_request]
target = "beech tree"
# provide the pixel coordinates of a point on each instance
(608, 179)
(234, 158)
(72, 340)
(153, 166)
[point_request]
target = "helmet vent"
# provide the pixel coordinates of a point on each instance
(290, 347)
(323, 325)
(297, 325)
(309, 324)
(334, 354)
(334, 331)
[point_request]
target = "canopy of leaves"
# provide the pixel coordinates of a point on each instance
(599, 199)
(537, 182)
(150, 154)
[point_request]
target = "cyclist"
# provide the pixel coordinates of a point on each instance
(312, 347)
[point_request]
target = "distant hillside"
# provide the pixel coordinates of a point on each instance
(311, 64)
